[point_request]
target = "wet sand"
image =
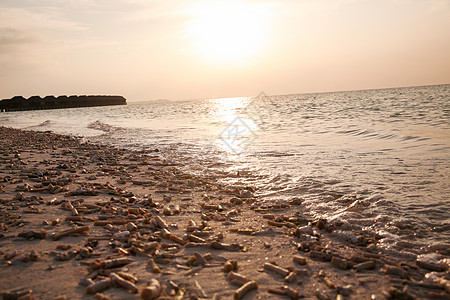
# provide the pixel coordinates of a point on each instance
(85, 221)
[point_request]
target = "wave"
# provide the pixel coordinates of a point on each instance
(45, 123)
(42, 124)
(99, 125)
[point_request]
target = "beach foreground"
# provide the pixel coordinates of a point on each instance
(79, 220)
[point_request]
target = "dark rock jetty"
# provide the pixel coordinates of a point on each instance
(19, 103)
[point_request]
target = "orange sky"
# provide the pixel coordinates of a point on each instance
(180, 49)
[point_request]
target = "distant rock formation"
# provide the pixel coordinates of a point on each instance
(19, 103)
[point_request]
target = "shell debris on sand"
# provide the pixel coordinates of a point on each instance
(136, 225)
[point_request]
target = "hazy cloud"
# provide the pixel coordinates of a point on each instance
(36, 20)
(10, 37)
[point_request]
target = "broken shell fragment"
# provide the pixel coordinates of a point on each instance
(85, 252)
(246, 288)
(153, 266)
(122, 234)
(99, 286)
(223, 246)
(131, 226)
(151, 246)
(152, 291)
(123, 283)
(86, 281)
(291, 278)
(236, 277)
(75, 231)
(33, 234)
(127, 276)
(195, 239)
(199, 259)
(299, 259)
(338, 262)
(286, 291)
(101, 296)
(368, 265)
(276, 269)
(392, 270)
(16, 294)
(230, 265)
(323, 256)
(111, 263)
(160, 223)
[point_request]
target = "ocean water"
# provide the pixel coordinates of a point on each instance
(374, 160)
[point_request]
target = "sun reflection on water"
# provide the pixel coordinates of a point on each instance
(238, 130)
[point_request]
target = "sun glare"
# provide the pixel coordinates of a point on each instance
(226, 31)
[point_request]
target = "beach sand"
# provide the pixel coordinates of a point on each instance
(137, 218)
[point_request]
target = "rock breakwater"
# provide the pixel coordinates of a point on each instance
(19, 103)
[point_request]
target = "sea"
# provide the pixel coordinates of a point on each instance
(376, 161)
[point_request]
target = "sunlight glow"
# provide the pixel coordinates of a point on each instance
(227, 31)
(239, 130)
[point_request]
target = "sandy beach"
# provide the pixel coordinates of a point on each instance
(86, 221)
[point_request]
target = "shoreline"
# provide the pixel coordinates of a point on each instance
(134, 208)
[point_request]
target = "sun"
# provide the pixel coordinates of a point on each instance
(226, 31)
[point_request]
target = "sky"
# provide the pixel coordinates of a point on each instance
(181, 49)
